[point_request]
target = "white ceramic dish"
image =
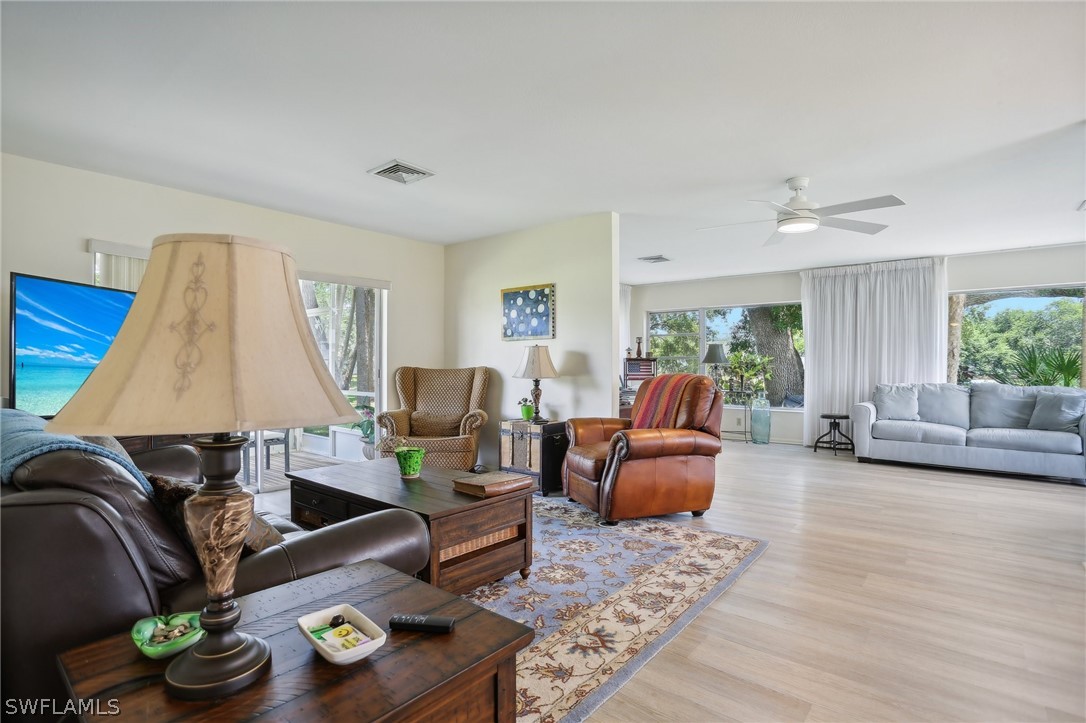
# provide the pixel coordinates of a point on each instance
(361, 623)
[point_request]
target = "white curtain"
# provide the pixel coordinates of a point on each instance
(870, 324)
(118, 266)
(625, 294)
(120, 272)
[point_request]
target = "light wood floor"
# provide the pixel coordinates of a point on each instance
(887, 593)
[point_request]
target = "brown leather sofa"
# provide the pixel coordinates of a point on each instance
(624, 473)
(85, 553)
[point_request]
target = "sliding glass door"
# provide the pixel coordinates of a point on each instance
(346, 324)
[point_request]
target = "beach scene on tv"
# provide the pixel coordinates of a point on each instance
(60, 331)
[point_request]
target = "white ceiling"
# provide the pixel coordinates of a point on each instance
(671, 114)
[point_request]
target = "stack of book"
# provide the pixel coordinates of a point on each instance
(490, 484)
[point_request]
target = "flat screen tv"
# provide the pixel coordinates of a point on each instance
(60, 330)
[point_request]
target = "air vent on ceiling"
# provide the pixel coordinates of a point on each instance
(657, 259)
(397, 170)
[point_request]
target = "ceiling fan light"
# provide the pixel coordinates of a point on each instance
(798, 224)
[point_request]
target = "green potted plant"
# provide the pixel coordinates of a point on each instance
(527, 409)
(746, 375)
(367, 426)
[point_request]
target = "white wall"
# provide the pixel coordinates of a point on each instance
(580, 256)
(49, 211)
(1041, 266)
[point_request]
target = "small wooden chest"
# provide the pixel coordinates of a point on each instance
(535, 449)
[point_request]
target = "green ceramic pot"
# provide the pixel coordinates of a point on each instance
(527, 411)
(410, 461)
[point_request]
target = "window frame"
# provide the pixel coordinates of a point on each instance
(703, 343)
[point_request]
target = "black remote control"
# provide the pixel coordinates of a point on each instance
(425, 623)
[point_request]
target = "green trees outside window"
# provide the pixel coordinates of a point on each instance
(343, 319)
(1027, 337)
(764, 346)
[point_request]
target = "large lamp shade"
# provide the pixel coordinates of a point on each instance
(216, 341)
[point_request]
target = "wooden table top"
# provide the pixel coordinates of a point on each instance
(378, 481)
(301, 685)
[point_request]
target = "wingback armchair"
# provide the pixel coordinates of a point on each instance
(660, 461)
(442, 413)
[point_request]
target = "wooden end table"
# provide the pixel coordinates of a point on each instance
(473, 540)
(468, 674)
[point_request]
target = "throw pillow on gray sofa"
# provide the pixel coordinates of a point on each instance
(1057, 412)
(943, 404)
(1001, 406)
(896, 401)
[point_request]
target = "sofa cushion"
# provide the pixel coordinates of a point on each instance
(900, 430)
(435, 425)
(170, 561)
(896, 401)
(1025, 440)
(1003, 406)
(588, 460)
(1056, 412)
(943, 404)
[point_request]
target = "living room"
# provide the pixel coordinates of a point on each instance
(60, 192)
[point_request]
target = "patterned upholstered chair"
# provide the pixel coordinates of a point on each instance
(442, 413)
(660, 461)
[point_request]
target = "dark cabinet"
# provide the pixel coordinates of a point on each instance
(535, 449)
(143, 443)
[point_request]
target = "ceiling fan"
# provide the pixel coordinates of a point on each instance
(799, 215)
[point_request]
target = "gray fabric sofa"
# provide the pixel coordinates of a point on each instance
(999, 427)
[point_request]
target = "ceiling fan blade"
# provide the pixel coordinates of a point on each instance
(865, 205)
(775, 239)
(850, 225)
(775, 206)
(741, 223)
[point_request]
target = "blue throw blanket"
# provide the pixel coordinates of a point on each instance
(23, 437)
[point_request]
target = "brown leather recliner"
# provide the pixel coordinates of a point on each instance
(85, 553)
(625, 473)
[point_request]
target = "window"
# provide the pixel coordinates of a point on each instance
(1024, 336)
(675, 341)
(118, 266)
(344, 320)
(764, 346)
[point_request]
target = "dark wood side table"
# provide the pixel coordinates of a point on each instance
(468, 674)
(473, 540)
(534, 449)
(146, 442)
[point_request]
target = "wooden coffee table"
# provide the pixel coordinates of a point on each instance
(468, 674)
(473, 540)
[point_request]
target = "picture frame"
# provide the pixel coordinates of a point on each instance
(528, 312)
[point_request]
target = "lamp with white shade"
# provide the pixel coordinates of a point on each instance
(216, 339)
(535, 365)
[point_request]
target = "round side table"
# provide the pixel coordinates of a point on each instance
(835, 439)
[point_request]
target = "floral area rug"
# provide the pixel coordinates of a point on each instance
(604, 600)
